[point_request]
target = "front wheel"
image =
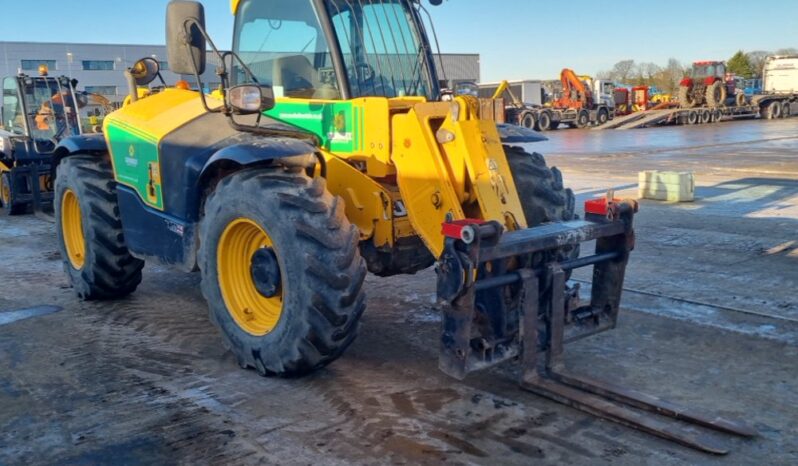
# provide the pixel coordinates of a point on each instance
(89, 230)
(8, 197)
(281, 271)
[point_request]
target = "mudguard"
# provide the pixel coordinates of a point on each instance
(249, 149)
(513, 134)
(83, 144)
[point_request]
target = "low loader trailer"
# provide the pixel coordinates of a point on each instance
(765, 106)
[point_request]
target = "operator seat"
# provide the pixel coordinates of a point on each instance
(300, 80)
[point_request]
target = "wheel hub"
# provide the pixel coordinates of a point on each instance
(265, 272)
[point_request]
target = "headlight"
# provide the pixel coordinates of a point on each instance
(5, 145)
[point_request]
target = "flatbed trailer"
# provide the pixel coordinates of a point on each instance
(764, 106)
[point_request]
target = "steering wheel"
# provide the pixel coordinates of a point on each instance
(365, 72)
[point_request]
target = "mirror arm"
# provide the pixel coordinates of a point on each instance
(132, 87)
(186, 25)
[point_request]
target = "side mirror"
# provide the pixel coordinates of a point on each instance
(185, 43)
(249, 99)
(145, 71)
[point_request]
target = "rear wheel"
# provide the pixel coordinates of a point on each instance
(544, 121)
(774, 110)
(692, 117)
(281, 271)
(706, 116)
(716, 94)
(8, 197)
(527, 120)
(583, 119)
(786, 110)
(89, 231)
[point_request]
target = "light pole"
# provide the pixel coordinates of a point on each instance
(69, 63)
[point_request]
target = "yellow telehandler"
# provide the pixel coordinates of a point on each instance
(328, 150)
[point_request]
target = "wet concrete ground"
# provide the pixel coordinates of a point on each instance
(710, 320)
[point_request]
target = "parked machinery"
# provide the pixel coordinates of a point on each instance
(318, 164)
(37, 113)
(709, 85)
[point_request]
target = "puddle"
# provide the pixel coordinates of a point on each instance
(7, 317)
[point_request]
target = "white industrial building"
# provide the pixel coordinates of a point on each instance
(99, 67)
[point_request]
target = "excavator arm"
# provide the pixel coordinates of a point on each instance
(574, 92)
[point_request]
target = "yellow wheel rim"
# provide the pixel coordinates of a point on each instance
(72, 228)
(253, 312)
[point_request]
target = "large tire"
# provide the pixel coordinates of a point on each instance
(583, 119)
(527, 120)
(686, 98)
(774, 110)
(786, 110)
(543, 196)
(104, 269)
(740, 99)
(544, 121)
(715, 95)
(8, 197)
(315, 257)
(603, 116)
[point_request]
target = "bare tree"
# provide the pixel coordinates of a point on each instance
(757, 59)
(787, 51)
(646, 72)
(668, 78)
(622, 71)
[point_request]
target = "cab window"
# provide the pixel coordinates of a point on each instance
(381, 48)
(282, 43)
(13, 114)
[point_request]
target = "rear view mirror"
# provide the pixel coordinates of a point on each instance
(185, 42)
(248, 99)
(145, 71)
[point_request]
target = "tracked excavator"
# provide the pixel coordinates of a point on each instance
(331, 151)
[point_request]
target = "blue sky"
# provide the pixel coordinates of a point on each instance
(516, 38)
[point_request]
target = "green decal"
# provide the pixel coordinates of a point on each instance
(336, 124)
(135, 157)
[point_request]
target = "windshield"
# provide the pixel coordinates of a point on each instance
(48, 107)
(51, 108)
(704, 71)
(382, 47)
(283, 43)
